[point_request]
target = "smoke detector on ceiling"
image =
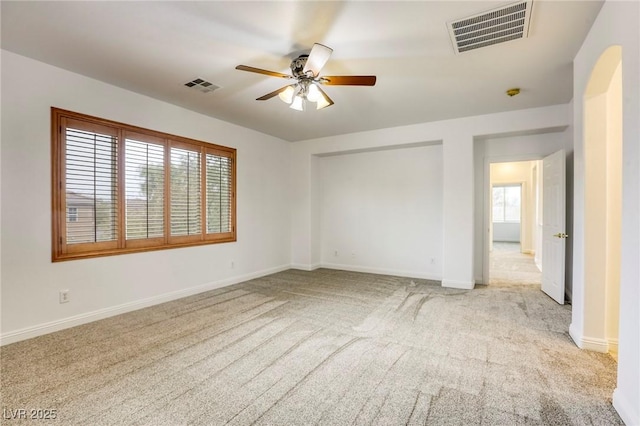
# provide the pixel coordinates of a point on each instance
(500, 25)
(513, 92)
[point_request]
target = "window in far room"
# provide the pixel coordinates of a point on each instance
(506, 203)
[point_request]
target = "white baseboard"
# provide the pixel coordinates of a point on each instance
(588, 343)
(61, 324)
(305, 267)
(628, 412)
(594, 344)
(465, 285)
(381, 271)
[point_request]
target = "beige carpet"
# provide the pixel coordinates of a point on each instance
(325, 347)
(510, 266)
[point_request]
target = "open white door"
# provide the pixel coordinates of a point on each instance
(553, 225)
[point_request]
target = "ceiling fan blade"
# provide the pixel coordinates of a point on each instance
(317, 58)
(261, 71)
(328, 101)
(349, 80)
(274, 93)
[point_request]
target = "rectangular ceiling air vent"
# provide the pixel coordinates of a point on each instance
(507, 23)
(202, 85)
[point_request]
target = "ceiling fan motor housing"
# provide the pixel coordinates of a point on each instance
(297, 66)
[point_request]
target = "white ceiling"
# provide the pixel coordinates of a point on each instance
(155, 47)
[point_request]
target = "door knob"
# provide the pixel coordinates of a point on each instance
(561, 235)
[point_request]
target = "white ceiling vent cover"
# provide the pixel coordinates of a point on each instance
(488, 28)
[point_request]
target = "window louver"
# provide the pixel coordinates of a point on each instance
(493, 27)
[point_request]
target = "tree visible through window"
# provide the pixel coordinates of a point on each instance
(506, 203)
(124, 189)
(144, 189)
(186, 194)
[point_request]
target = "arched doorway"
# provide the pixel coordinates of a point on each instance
(602, 108)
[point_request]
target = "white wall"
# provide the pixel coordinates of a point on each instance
(614, 209)
(506, 232)
(458, 149)
(382, 211)
(616, 24)
(104, 286)
(507, 148)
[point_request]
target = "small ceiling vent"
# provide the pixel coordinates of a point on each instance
(495, 26)
(202, 85)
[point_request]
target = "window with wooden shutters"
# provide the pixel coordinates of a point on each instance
(89, 181)
(186, 191)
(121, 189)
(219, 193)
(144, 188)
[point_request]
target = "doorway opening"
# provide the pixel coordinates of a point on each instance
(514, 255)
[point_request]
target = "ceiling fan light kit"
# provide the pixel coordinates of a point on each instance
(305, 69)
(304, 91)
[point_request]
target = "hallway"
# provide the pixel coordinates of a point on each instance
(510, 266)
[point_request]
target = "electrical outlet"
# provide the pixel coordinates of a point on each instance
(335, 253)
(233, 264)
(64, 296)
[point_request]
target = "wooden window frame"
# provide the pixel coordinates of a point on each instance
(61, 251)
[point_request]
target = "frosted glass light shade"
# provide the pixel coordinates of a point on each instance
(298, 103)
(322, 102)
(287, 95)
(314, 93)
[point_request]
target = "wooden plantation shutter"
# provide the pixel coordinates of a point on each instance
(118, 188)
(219, 194)
(144, 161)
(89, 181)
(186, 192)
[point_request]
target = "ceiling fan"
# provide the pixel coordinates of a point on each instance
(305, 70)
